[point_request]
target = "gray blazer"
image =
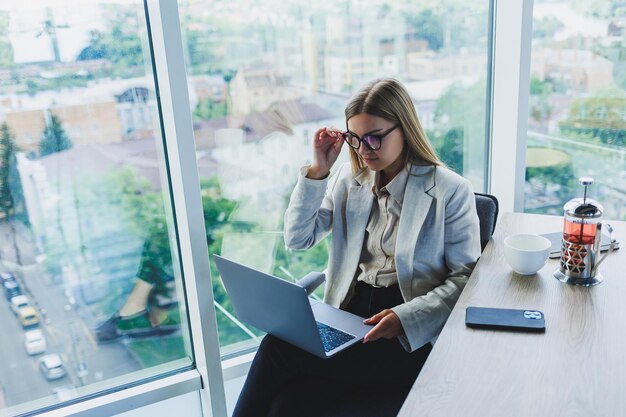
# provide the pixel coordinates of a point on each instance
(438, 240)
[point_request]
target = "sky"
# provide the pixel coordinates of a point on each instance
(73, 21)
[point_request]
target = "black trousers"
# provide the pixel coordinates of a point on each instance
(287, 381)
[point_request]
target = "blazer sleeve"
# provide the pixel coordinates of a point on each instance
(424, 316)
(309, 215)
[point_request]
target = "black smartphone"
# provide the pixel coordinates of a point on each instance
(505, 319)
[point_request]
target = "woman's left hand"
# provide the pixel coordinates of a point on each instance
(387, 325)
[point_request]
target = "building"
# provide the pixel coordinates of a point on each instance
(255, 88)
(582, 71)
(428, 65)
(105, 112)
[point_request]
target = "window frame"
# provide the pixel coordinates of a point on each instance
(166, 47)
(165, 36)
(509, 118)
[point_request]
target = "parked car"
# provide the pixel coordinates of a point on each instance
(35, 342)
(28, 317)
(7, 276)
(51, 366)
(18, 302)
(11, 289)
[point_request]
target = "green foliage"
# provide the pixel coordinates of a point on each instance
(144, 208)
(539, 101)
(6, 49)
(459, 122)
(96, 49)
(156, 351)
(54, 138)
(295, 264)
(133, 194)
(546, 27)
(558, 173)
(11, 192)
(34, 86)
(121, 44)
(449, 148)
(598, 119)
(200, 37)
(428, 25)
(616, 53)
(606, 9)
(208, 109)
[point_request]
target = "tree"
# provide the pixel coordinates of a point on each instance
(539, 101)
(54, 138)
(6, 49)
(546, 27)
(96, 49)
(125, 191)
(450, 149)
(428, 26)
(200, 39)
(208, 109)
(598, 118)
(460, 126)
(11, 193)
(121, 44)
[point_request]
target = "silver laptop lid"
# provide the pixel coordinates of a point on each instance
(271, 304)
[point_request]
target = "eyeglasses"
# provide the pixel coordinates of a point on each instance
(373, 142)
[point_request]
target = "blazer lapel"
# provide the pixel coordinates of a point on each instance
(415, 207)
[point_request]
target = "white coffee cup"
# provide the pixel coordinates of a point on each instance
(526, 253)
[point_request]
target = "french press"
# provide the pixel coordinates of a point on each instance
(580, 246)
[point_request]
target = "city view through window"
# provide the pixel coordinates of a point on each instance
(261, 83)
(88, 249)
(92, 292)
(577, 106)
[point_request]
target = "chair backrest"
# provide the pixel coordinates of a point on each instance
(487, 209)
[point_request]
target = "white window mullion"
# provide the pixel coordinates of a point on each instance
(513, 36)
(185, 185)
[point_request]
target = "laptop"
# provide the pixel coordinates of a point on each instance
(556, 237)
(284, 310)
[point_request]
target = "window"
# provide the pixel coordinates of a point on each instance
(577, 96)
(284, 69)
(86, 219)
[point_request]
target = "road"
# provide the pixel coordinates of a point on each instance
(67, 332)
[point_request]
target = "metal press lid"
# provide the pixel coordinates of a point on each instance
(584, 207)
(587, 208)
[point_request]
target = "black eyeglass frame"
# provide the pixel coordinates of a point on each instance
(380, 137)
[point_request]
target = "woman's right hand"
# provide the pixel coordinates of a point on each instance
(327, 145)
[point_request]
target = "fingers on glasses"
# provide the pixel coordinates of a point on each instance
(371, 142)
(335, 133)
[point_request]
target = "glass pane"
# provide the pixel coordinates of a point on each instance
(577, 109)
(264, 76)
(88, 256)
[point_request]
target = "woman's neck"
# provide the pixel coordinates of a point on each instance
(389, 173)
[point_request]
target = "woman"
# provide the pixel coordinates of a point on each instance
(405, 238)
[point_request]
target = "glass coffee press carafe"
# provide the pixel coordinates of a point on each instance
(580, 247)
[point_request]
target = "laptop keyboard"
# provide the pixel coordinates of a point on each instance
(331, 337)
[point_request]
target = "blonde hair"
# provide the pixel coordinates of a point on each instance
(388, 98)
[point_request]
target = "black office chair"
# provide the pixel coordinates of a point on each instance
(487, 209)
